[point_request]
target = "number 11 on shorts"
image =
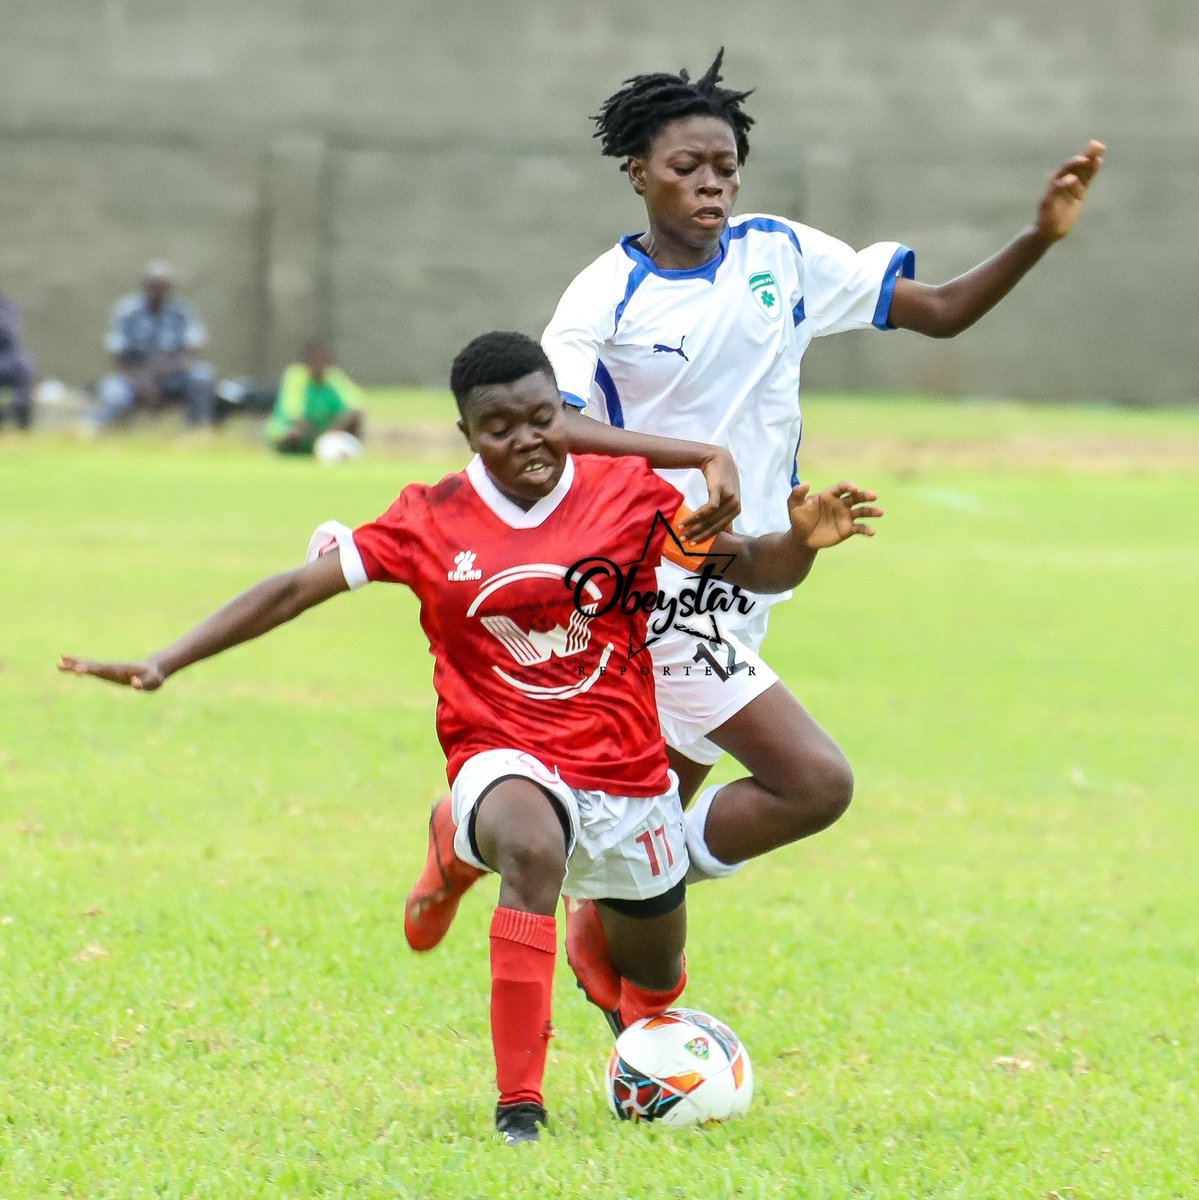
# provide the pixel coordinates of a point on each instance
(647, 839)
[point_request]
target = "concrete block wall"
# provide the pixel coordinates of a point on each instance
(402, 174)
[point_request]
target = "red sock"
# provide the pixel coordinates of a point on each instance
(636, 1002)
(523, 948)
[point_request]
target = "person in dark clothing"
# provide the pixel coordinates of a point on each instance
(16, 366)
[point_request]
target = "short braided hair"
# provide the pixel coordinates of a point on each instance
(497, 357)
(631, 118)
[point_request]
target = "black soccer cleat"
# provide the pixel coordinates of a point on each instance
(612, 1016)
(517, 1123)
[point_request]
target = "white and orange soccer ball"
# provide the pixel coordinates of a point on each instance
(681, 1068)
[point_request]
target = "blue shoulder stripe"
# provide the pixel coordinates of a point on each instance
(607, 385)
(766, 225)
(637, 277)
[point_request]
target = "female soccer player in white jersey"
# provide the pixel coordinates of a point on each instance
(695, 329)
(546, 710)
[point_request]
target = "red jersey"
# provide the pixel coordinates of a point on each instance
(529, 654)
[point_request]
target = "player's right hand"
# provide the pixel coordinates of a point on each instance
(724, 498)
(829, 517)
(143, 676)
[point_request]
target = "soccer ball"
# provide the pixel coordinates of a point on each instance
(336, 446)
(683, 1067)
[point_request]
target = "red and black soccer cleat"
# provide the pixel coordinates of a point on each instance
(432, 903)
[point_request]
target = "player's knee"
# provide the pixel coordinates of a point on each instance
(834, 789)
(534, 865)
(821, 792)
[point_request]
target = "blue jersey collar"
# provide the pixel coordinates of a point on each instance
(707, 270)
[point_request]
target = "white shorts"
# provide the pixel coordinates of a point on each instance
(621, 847)
(701, 684)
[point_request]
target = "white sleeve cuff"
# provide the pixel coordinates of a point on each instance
(334, 535)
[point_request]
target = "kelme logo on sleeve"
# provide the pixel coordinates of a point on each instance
(766, 293)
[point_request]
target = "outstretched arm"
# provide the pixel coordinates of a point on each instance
(724, 486)
(778, 561)
(266, 605)
(944, 311)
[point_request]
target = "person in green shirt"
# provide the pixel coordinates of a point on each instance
(314, 397)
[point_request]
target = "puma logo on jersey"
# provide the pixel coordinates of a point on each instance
(464, 569)
(660, 349)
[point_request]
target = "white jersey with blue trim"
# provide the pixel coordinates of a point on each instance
(712, 354)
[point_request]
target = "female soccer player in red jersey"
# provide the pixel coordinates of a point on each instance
(525, 565)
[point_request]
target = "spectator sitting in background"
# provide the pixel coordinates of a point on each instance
(16, 366)
(314, 398)
(153, 339)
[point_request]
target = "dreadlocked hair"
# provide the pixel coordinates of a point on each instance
(630, 119)
(497, 357)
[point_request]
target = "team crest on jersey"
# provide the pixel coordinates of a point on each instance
(511, 607)
(765, 291)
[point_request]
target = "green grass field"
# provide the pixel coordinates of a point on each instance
(981, 984)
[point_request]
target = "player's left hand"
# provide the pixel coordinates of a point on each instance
(142, 676)
(833, 515)
(724, 498)
(1067, 189)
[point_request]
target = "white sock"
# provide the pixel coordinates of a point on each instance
(704, 864)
